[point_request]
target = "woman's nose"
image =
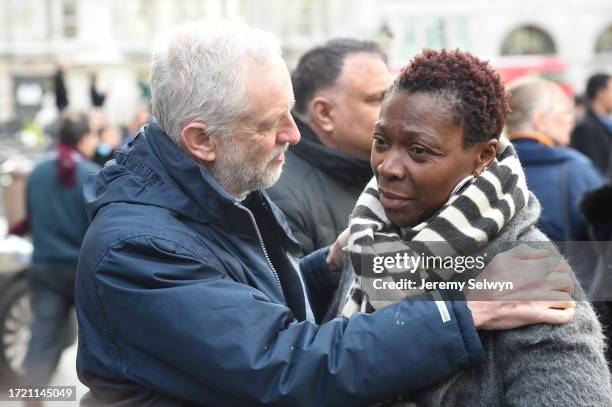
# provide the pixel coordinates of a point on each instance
(391, 167)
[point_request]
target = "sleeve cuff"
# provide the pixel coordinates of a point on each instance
(315, 262)
(456, 301)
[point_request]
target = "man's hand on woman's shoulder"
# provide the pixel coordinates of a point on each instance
(541, 290)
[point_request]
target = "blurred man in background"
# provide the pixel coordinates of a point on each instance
(96, 96)
(109, 138)
(59, 87)
(591, 135)
(338, 89)
(57, 222)
(139, 117)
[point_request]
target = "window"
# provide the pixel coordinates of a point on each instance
(461, 37)
(435, 33)
(410, 45)
(69, 19)
(132, 20)
(24, 20)
(604, 41)
(305, 18)
(528, 40)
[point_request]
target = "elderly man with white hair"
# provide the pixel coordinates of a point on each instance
(187, 292)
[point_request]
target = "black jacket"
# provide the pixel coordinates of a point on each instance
(596, 209)
(318, 189)
(592, 138)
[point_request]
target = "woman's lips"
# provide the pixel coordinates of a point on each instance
(393, 201)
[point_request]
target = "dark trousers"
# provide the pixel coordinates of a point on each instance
(53, 322)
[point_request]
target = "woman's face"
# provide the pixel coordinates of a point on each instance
(418, 156)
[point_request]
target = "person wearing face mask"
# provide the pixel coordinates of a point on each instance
(539, 125)
(446, 185)
(57, 223)
(109, 139)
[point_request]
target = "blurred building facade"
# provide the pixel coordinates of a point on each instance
(114, 38)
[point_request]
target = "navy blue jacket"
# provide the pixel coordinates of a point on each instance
(559, 177)
(178, 304)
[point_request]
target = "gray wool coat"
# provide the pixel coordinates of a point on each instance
(537, 365)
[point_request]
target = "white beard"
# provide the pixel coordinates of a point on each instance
(239, 174)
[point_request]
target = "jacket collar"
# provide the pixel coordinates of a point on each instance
(344, 167)
(594, 118)
(193, 179)
(533, 135)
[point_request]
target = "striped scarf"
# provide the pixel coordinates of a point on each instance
(477, 210)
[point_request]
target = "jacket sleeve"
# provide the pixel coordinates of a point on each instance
(555, 365)
(320, 284)
(183, 327)
(583, 177)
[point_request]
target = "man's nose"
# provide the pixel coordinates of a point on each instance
(290, 133)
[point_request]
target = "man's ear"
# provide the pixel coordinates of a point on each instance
(486, 154)
(538, 121)
(198, 143)
(321, 113)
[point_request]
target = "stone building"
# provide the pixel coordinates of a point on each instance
(113, 38)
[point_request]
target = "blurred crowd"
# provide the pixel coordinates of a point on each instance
(79, 142)
(109, 136)
(564, 143)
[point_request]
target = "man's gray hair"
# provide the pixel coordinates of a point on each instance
(198, 75)
(528, 94)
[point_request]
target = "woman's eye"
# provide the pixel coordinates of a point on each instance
(419, 150)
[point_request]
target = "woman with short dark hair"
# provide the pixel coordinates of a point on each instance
(447, 185)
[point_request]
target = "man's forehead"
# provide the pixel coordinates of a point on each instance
(269, 95)
(364, 70)
(268, 80)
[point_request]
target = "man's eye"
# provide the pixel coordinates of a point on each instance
(379, 141)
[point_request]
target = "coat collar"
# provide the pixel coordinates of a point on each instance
(346, 168)
(591, 117)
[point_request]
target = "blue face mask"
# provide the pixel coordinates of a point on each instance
(104, 149)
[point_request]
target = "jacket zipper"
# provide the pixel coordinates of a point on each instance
(263, 246)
